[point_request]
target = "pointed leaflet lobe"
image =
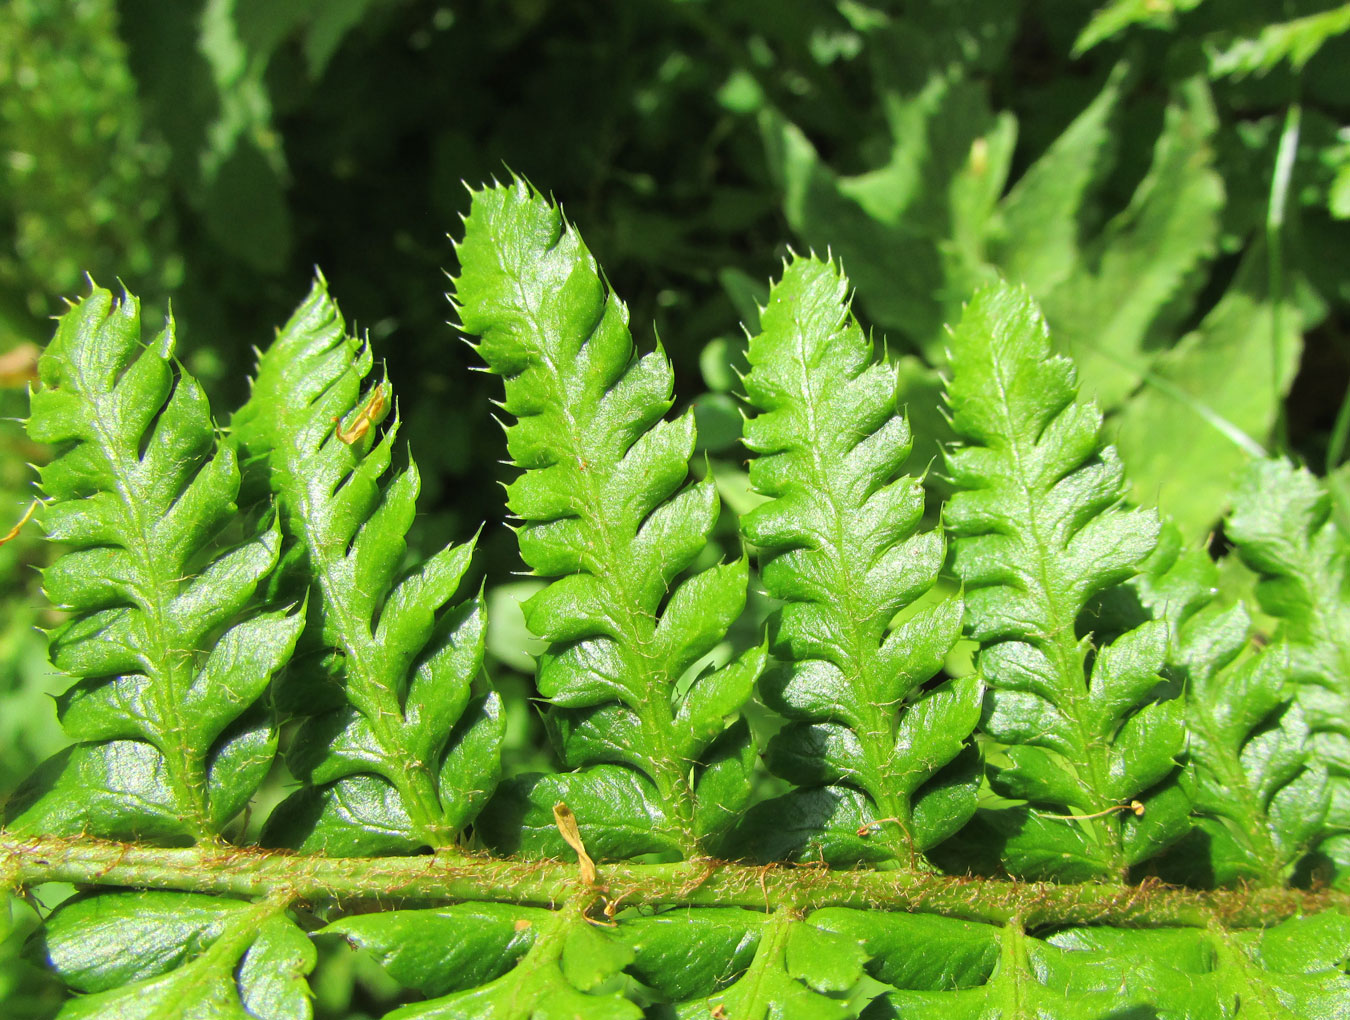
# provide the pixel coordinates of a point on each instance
(1037, 532)
(166, 703)
(387, 666)
(842, 550)
(605, 510)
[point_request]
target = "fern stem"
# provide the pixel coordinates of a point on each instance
(440, 878)
(1275, 218)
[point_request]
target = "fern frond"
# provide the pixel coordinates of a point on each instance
(398, 753)
(604, 508)
(1283, 529)
(167, 705)
(843, 551)
(1090, 730)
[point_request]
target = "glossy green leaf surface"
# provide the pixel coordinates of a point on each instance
(807, 737)
(1283, 528)
(168, 702)
(387, 672)
(497, 961)
(1258, 794)
(1250, 749)
(605, 510)
(149, 955)
(797, 970)
(841, 548)
(1091, 729)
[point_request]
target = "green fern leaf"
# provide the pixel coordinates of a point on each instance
(729, 962)
(1260, 801)
(939, 968)
(687, 955)
(843, 552)
(1090, 731)
(174, 733)
(1118, 15)
(1283, 529)
(151, 955)
(1292, 969)
(797, 970)
(398, 753)
(489, 961)
(604, 509)
(1297, 41)
(1250, 752)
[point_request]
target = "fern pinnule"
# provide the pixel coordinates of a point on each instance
(397, 753)
(1092, 733)
(841, 547)
(167, 703)
(204, 956)
(496, 960)
(604, 508)
(729, 961)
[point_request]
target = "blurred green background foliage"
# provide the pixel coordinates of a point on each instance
(1170, 178)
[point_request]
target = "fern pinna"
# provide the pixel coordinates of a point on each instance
(1089, 730)
(844, 553)
(396, 753)
(604, 508)
(1020, 758)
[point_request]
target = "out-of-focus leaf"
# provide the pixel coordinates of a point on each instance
(1233, 368)
(1118, 15)
(1132, 274)
(1296, 41)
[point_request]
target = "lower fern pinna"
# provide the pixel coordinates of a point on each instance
(1120, 729)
